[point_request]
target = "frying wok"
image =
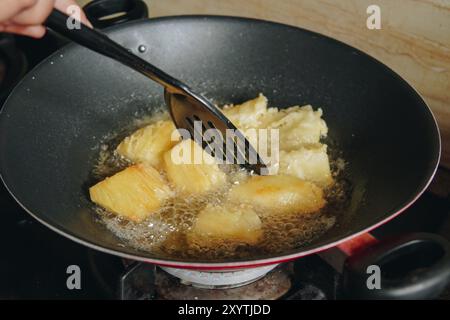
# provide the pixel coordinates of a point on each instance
(53, 123)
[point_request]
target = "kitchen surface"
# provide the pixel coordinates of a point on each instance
(413, 40)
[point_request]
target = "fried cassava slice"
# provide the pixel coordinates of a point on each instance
(232, 223)
(278, 194)
(134, 193)
(191, 170)
(149, 143)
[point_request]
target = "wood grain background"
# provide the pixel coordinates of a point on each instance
(414, 39)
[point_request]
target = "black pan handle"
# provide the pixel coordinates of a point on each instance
(101, 43)
(101, 14)
(413, 266)
(106, 13)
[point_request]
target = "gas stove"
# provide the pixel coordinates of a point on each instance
(104, 276)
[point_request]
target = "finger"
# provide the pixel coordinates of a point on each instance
(64, 5)
(36, 14)
(36, 31)
(10, 8)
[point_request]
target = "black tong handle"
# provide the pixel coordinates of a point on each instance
(102, 44)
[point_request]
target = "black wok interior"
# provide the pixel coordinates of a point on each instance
(52, 124)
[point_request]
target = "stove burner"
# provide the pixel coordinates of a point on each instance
(219, 279)
(269, 287)
(142, 281)
(307, 278)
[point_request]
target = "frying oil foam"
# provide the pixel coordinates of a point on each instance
(166, 232)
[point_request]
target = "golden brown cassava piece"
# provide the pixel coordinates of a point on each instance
(296, 125)
(309, 162)
(188, 175)
(278, 194)
(247, 114)
(149, 143)
(134, 193)
(237, 223)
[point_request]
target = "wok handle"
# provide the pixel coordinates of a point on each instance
(102, 13)
(412, 266)
(102, 44)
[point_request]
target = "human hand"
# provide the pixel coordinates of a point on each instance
(26, 17)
